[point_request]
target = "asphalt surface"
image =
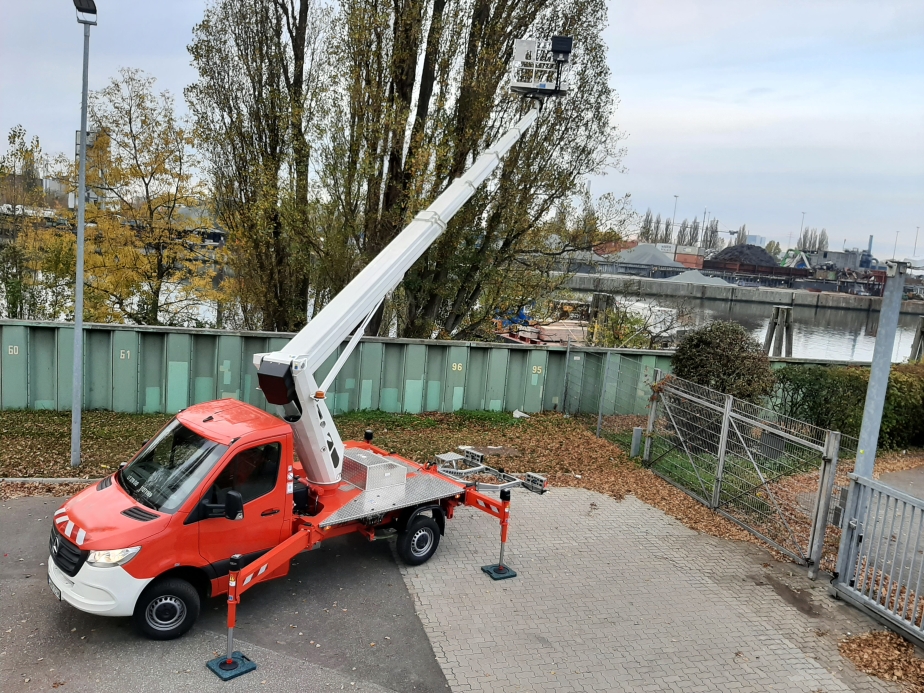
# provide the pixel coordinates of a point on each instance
(343, 596)
(910, 481)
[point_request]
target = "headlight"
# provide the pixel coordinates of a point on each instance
(112, 558)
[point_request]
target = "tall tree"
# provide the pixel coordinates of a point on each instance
(711, 238)
(407, 94)
(645, 228)
(694, 232)
(254, 104)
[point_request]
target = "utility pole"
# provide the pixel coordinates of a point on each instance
(86, 15)
(879, 370)
(895, 247)
(914, 254)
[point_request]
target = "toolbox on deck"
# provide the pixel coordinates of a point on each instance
(369, 471)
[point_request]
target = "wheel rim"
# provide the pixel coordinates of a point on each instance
(421, 542)
(166, 612)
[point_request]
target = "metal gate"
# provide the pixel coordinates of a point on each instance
(768, 473)
(881, 557)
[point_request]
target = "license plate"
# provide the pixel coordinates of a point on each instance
(54, 588)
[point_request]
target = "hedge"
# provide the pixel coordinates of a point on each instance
(833, 397)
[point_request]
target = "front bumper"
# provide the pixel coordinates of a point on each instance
(104, 591)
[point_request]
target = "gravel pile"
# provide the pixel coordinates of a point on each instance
(749, 254)
(647, 254)
(697, 277)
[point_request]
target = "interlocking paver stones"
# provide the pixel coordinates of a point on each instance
(615, 596)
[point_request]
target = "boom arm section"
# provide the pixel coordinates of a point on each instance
(287, 376)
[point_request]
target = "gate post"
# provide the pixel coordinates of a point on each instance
(564, 396)
(606, 375)
(823, 502)
(723, 445)
(849, 530)
(652, 417)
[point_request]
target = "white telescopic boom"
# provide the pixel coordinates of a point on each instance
(321, 337)
(287, 376)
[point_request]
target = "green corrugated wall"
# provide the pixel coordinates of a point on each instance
(160, 369)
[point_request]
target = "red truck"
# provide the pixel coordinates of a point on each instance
(225, 495)
(156, 538)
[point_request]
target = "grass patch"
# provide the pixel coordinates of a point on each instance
(566, 450)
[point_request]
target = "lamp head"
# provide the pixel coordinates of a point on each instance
(561, 48)
(86, 11)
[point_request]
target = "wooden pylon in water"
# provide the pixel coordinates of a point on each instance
(779, 332)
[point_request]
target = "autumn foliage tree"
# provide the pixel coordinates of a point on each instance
(145, 261)
(33, 259)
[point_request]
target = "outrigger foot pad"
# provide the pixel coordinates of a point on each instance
(499, 572)
(225, 670)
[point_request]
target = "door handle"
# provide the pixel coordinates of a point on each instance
(267, 513)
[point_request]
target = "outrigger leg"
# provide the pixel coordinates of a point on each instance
(234, 663)
(500, 571)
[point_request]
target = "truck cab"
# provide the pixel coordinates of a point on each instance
(155, 538)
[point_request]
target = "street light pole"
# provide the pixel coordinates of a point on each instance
(86, 15)
(674, 218)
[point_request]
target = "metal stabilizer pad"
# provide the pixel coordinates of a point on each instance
(239, 666)
(499, 572)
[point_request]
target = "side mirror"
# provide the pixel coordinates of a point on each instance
(234, 506)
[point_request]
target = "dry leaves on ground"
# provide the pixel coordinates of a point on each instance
(898, 461)
(886, 655)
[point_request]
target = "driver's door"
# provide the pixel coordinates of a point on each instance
(254, 472)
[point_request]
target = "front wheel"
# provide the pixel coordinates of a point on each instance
(418, 542)
(166, 609)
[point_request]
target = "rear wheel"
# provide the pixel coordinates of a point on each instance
(166, 609)
(418, 542)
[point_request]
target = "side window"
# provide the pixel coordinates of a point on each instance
(252, 473)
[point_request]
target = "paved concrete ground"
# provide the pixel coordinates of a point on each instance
(910, 481)
(611, 596)
(618, 596)
(50, 642)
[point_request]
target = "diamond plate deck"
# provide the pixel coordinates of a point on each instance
(420, 488)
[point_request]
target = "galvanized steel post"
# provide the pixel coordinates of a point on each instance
(564, 397)
(723, 445)
(823, 501)
(879, 370)
(77, 392)
(652, 417)
(606, 375)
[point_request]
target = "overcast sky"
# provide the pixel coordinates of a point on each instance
(756, 110)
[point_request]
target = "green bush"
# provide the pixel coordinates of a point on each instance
(833, 397)
(723, 356)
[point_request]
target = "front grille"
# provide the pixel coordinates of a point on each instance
(66, 555)
(137, 513)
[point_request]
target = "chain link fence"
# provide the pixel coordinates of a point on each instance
(771, 474)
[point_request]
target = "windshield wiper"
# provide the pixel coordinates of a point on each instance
(144, 502)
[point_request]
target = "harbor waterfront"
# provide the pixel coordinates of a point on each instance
(818, 333)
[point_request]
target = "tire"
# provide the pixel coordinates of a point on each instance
(166, 609)
(419, 541)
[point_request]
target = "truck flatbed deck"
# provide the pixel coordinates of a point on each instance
(422, 486)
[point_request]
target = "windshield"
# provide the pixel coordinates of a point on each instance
(167, 471)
